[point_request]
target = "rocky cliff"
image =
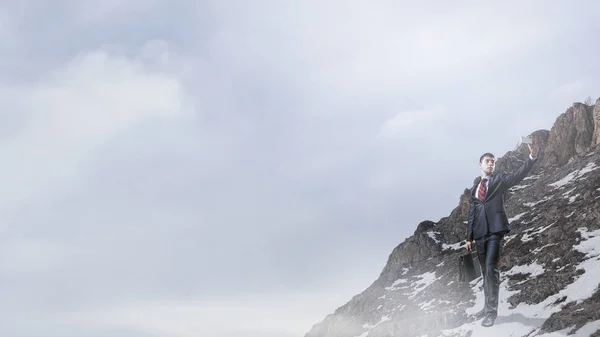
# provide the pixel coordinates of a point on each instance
(550, 264)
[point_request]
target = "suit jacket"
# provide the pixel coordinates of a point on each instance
(489, 215)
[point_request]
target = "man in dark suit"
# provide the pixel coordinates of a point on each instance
(488, 223)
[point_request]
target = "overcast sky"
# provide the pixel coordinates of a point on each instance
(242, 168)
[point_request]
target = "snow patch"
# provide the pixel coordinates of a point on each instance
(368, 326)
(531, 204)
(590, 244)
(529, 233)
(507, 238)
(531, 221)
(588, 168)
(454, 246)
(569, 178)
(573, 198)
(518, 187)
(533, 176)
(566, 194)
(383, 319)
(533, 269)
(427, 305)
(539, 249)
(394, 285)
(432, 234)
(431, 304)
(517, 217)
(425, 280)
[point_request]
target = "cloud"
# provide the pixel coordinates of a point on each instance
(70, 112)
(60, 241)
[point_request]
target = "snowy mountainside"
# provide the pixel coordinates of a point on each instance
(550, 261)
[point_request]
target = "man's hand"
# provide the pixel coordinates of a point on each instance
(533, 148)
(469, 245)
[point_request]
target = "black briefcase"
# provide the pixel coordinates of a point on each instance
(468, 267)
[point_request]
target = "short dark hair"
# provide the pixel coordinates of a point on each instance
(487, 154)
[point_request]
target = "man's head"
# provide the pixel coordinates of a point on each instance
(487, 162)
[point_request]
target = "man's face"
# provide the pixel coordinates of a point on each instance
(488, 164)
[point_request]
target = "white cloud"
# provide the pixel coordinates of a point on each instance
(67, 114)
(98, 94)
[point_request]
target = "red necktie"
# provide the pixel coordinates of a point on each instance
(481, 192)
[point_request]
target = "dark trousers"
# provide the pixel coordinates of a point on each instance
(488, 252)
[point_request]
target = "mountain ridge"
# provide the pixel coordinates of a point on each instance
(549, 283)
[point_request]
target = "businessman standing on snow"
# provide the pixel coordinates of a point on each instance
(488, 223)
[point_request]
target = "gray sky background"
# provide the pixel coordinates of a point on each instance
(237, 168)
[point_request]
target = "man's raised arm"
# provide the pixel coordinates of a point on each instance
(513, 178)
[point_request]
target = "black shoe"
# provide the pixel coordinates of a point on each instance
(479, 315)
(488, 321)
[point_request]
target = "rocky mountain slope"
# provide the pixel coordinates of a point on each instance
(550, 264)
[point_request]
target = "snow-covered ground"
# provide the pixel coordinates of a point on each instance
(526, 320)
(574, 176)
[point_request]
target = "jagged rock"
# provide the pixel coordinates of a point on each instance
(596, 115)
(416, 248)
(574, 315)
(550, 262)
(570, 135)
(463, 204)
(424, 226)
